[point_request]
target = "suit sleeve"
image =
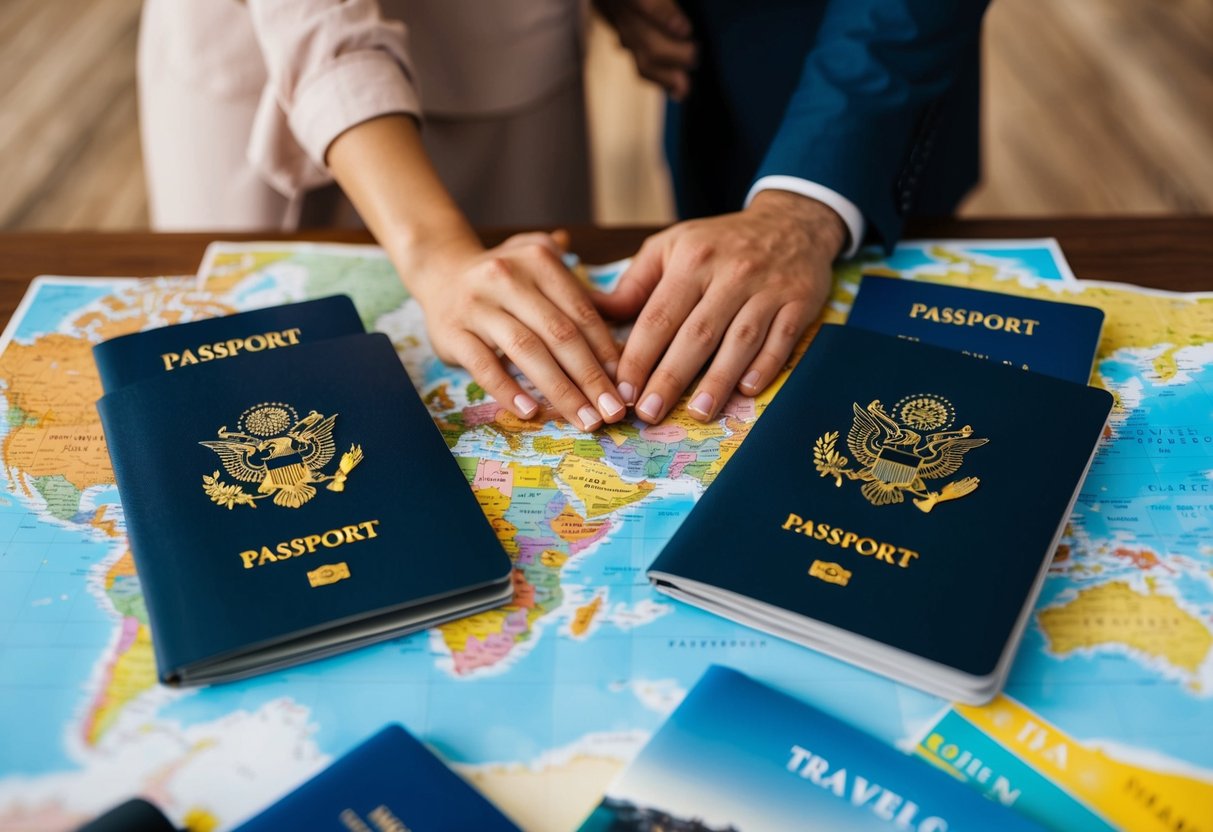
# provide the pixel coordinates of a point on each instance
(331, 64)
(870, 79)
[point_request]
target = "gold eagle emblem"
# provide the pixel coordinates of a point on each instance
(283, 454)
(899, 453)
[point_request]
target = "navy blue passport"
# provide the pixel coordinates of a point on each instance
(391, 781)
(129, 358)
(292, 504)
(738, 755)
(1051, 337)
(896, 506)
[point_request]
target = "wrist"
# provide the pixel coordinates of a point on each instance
(425, 259)
(806, 214)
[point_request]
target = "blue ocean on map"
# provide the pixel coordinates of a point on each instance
(52, 304)
(55, 635)
(1038, 262)
(1082, 691)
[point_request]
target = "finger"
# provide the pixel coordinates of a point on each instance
(785, 332)
(574, 301)
(656, 328)
(655, 46)
(636, 284)
(667, 15)
(675, 82)
(566, 342)
(562, 288)
(690, 349)
(528, 351)
(561, 238)
(744, 337)
(484, 365)
(542, 239)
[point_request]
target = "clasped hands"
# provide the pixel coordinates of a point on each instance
(732, 293)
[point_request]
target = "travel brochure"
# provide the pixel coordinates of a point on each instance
(737, 756)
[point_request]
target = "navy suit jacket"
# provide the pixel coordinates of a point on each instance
(874, 99)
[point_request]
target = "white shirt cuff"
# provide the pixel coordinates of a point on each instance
(851, 216)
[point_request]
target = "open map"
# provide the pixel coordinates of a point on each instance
(1107, 720)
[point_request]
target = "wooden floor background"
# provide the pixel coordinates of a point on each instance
(1090, 107)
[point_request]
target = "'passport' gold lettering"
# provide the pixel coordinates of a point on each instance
(230, 348)
(834, 536)
(971, 317)
(309, 544)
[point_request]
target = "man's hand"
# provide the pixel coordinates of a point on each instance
(744, 286)
(658, 34)
(519, 300)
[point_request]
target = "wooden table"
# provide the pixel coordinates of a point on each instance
(1166, 252)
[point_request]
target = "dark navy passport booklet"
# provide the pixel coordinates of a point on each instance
(293, 503)
(389, 782)
(169, 349)
(1044, 336)
(896, 506)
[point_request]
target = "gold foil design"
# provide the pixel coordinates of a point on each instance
(330, 573)
(895, 457)
(831, 573)
(349, 460)
(283, 454)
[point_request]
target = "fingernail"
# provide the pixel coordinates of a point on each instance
(651, 406)
(526, 405)
(611, 368)
(628, 392)
(703, 404)
(589, 417)
(609, 405)
(751, 380)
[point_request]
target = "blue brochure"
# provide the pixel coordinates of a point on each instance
(1050, 337)
(738, 756)
(390, 782)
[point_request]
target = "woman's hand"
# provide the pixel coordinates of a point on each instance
(743, 287)
(518, 301)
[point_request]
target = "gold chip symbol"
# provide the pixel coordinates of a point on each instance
(330, 573)
(831, 573)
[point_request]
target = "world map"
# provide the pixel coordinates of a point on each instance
(1106, 721)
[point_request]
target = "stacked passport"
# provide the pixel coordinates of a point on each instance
(897, 504)
(286, 493)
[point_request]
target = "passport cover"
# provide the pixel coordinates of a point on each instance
(292, 503)
(389, 782)
(737, 755)
(129, 358)
(905, 496)
(1051, 337)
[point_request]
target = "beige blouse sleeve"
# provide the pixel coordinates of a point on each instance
(330, 65)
